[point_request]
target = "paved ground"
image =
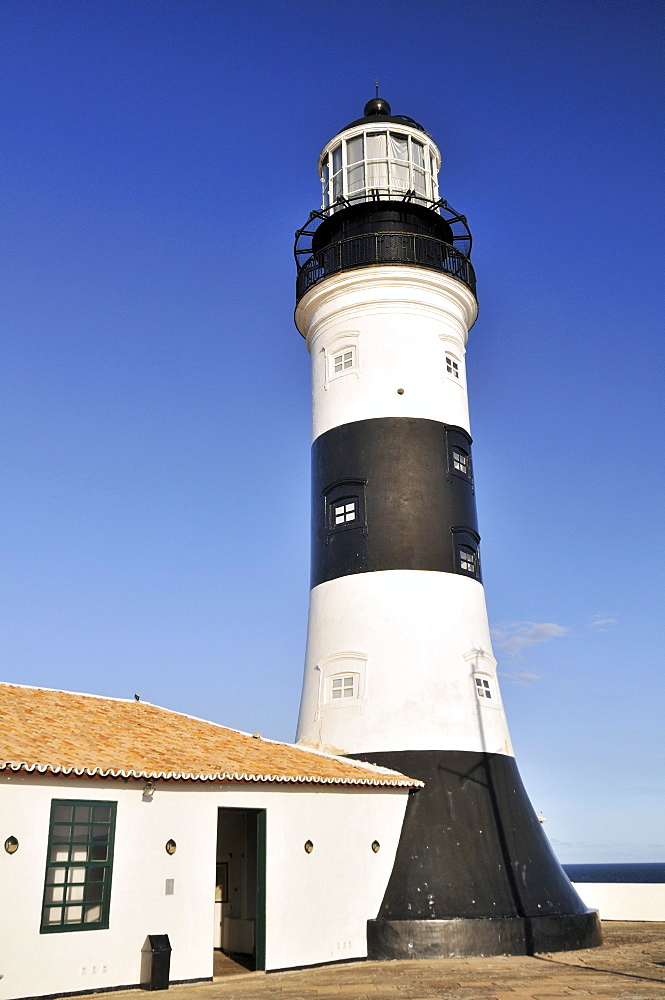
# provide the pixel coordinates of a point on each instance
(630, 966)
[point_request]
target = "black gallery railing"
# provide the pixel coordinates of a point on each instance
(385, 248)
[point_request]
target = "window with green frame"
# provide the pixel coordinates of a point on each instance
(77, 889)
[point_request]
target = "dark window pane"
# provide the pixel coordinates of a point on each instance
(94, 893)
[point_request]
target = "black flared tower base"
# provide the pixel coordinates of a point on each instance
(474, 872)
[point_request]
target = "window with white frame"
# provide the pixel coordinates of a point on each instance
(382, 160)
(344, 511)
(461, 461)
(483, 687)
(467, 560)
(343, 361)
(452, 366)
(343, 686)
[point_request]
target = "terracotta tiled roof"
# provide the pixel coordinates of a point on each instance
(63, 733)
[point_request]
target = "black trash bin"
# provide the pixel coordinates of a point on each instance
(155, 962)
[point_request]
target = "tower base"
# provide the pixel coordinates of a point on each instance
(474, 873)
(464, 938)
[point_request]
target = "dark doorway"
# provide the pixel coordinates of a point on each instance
(240, 918)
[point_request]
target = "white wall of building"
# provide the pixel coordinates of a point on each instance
(415, 640)
(624, 901)
(401, 321)
(317, 904)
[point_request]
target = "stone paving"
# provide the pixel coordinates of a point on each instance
(629, 966)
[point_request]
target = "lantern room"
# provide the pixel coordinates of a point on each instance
(379, 156)
(381, 204)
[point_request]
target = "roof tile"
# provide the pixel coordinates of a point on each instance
(64, 733)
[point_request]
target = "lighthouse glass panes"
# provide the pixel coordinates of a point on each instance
(452, 366)
(380, 162)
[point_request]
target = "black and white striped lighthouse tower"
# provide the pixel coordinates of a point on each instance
(399, 668)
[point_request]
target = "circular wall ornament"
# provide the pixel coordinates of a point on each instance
(11, 845)
(309, 846)
(376, 846)
(170, 846)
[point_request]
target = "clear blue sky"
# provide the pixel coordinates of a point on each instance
(158, 156)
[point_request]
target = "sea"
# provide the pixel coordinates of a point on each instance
(644, 872)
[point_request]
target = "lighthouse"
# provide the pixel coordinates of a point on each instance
(399, 669)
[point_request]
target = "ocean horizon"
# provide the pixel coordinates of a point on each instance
(644, 872)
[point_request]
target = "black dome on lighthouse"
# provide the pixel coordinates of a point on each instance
(377, 106)
(378, 110)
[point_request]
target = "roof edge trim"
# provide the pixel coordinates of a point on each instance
(99, 772)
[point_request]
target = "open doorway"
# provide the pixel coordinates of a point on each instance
(240, 879)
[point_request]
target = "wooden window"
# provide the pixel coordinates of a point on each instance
(77, 888)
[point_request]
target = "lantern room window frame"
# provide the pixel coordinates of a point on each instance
(390, 160)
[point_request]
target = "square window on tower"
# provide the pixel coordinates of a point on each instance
(465, 551)
(467, 560)
(343, 687)
(343, 507)
(344, 361)
(452, 366)
(461, 462)
(345, 511)
(483, 689)
(459, 454)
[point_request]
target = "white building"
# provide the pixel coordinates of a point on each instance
(121, 820)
